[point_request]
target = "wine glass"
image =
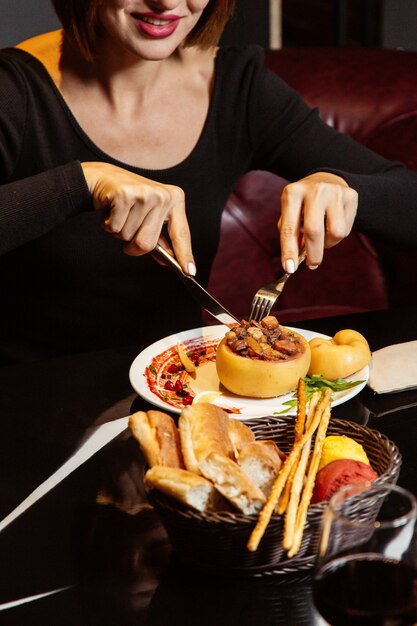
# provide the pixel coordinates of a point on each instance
(366, 572)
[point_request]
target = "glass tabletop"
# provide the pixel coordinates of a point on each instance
(92, 551)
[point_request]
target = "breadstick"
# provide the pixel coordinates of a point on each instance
(267, 510)
(311, 476)
(298, 480)
(301, 409)
(298, 433)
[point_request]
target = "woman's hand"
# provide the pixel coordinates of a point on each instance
(320, 209)
(137, 209)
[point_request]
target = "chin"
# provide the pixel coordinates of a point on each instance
(154, 50)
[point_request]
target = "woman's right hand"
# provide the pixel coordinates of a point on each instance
(137, 208)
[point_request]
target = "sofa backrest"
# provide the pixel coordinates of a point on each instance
(370, 95)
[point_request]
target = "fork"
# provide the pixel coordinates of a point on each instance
(265, 298)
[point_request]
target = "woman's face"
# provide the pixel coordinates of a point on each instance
(150, 29)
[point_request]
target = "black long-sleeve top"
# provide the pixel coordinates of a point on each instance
(66, 285)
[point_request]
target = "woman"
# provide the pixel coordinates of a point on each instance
(129, 123)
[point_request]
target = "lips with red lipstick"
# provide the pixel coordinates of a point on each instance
(156, 25)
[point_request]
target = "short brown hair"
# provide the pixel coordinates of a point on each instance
(79, 20)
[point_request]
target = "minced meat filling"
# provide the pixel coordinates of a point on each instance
(266, 340)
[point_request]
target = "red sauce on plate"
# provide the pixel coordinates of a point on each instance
(167, 368)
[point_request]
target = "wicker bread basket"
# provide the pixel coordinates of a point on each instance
(216, 542)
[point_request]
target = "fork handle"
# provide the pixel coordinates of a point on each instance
(280, 284)
(302, 256)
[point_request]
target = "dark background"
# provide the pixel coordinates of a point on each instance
(365, 23)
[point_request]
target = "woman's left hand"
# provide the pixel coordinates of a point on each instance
(320, 209)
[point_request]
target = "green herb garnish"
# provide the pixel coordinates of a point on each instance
(317, 383)
(153, 369)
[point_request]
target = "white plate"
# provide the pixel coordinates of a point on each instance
(152, 363)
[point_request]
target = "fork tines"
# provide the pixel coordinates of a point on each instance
(263, 302)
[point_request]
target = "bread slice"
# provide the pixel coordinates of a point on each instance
(240, 435)
(186, 487)
(232, 482)
(158, 438)
(260, 460)
(203, 429)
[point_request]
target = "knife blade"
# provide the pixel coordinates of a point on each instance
(205, 300)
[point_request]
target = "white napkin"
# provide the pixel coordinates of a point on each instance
(394, 368)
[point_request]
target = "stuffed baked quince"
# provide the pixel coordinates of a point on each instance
(262, 360)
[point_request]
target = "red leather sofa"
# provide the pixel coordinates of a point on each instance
(372, 96)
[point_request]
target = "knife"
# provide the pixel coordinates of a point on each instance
(206, 301)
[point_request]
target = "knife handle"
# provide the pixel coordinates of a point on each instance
(163, 254)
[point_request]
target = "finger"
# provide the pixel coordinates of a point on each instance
(290, 225)
(335, 227)
(114, 221)
(130, 205)
(180, 236)
(340, 217)
(351, 200)
(138, 215)
(119, 206)
(315, 207)
(146, 236)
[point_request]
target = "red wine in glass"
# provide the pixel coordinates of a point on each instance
(367, 590)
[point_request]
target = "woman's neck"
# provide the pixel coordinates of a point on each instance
(146, 113)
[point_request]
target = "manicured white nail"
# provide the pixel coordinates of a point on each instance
(312, 267)
(290, 266)
(191, 269)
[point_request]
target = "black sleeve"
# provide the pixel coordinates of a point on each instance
(32, 206)
(292, 141)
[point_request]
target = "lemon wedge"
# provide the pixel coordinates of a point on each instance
(185, 360)
(207, 396)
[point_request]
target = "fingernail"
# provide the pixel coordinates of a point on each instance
(312, 267)
(290, 266)
(191, 269)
